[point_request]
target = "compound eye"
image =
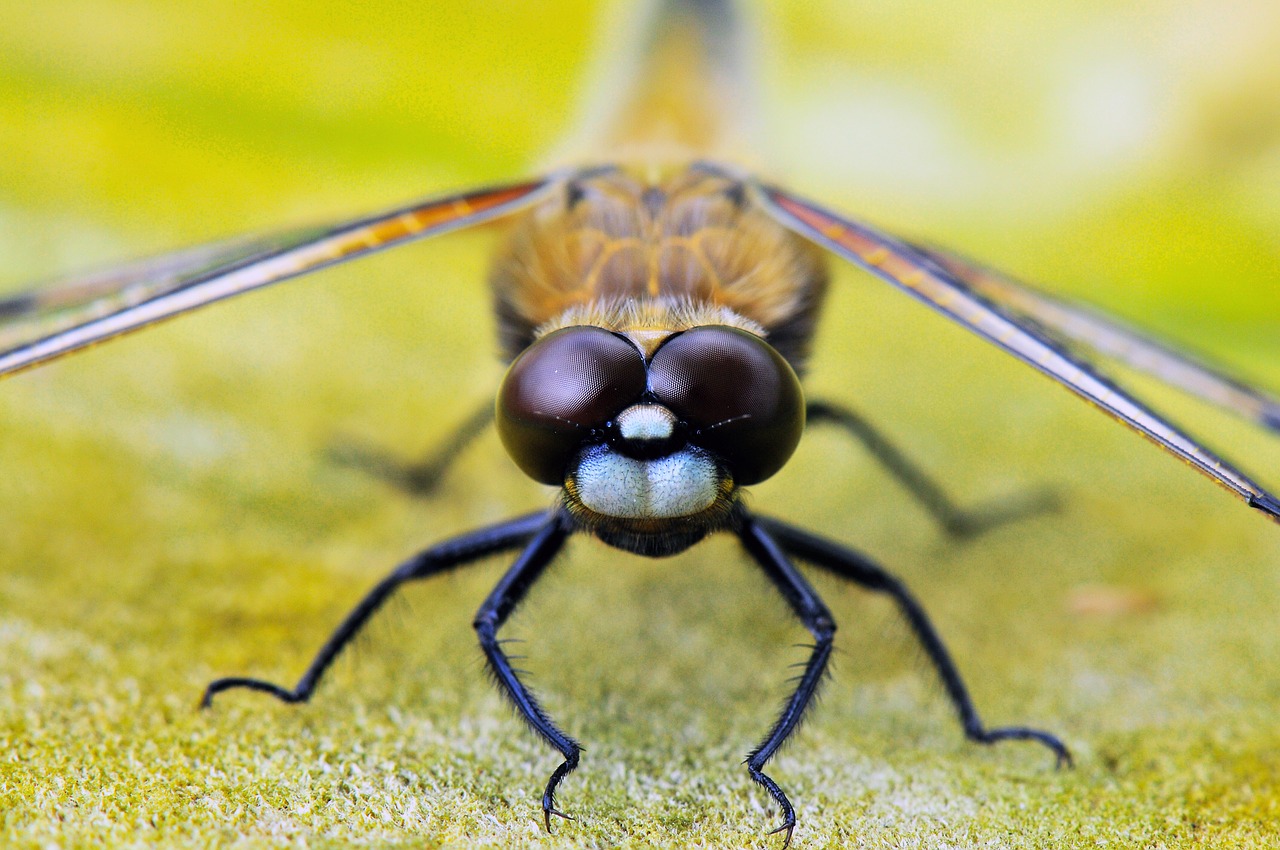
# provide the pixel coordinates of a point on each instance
(559, 389)
(739, 396)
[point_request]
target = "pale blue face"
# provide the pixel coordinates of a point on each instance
(612, 484)
(637, 478)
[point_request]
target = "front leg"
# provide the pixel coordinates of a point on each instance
(857, 568)
(489, 619)
(806, 604)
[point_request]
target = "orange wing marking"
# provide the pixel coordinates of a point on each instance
(173, 284)
(1004, 326)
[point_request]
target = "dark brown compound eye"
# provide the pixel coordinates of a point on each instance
(565, 384)
(738, 395)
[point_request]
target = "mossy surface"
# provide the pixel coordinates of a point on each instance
(169, 512)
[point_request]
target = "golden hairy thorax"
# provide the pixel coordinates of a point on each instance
(652, 254)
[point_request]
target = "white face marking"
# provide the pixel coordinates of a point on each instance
(646, 422)
(680, 484)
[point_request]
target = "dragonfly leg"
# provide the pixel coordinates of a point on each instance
(859, 569)
(441, 558)
(489, 620)
(811, 611)
(956, 521)
(420, 477)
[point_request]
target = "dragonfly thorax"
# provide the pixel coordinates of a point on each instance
(690, 235)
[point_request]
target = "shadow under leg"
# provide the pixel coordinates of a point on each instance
(859, 569)
(440, 558)
(811, 611)
(955, 521)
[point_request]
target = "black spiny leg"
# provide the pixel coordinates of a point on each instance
(817, 619)
(857, 568)
(441, 558)
(421, 477)
(489, 619)
(955, 521)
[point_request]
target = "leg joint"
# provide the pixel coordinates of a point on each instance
(486, 625)
(823, 628)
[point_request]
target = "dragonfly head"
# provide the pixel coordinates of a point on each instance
(650, 442)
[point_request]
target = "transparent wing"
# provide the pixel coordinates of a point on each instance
(65, 302)
(1113, 338)
(929, 281)
(68, 315)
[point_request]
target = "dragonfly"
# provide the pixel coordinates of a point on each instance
(656, 307)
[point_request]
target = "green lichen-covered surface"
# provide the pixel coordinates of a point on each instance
(168, 514)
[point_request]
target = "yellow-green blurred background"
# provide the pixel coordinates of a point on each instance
(167, 512)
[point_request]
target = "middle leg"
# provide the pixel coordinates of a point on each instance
(857, 568)
(449, 555)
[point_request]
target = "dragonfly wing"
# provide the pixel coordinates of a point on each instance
(68, 315)
(1113, 338)
(63, 303)
(901, 265)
